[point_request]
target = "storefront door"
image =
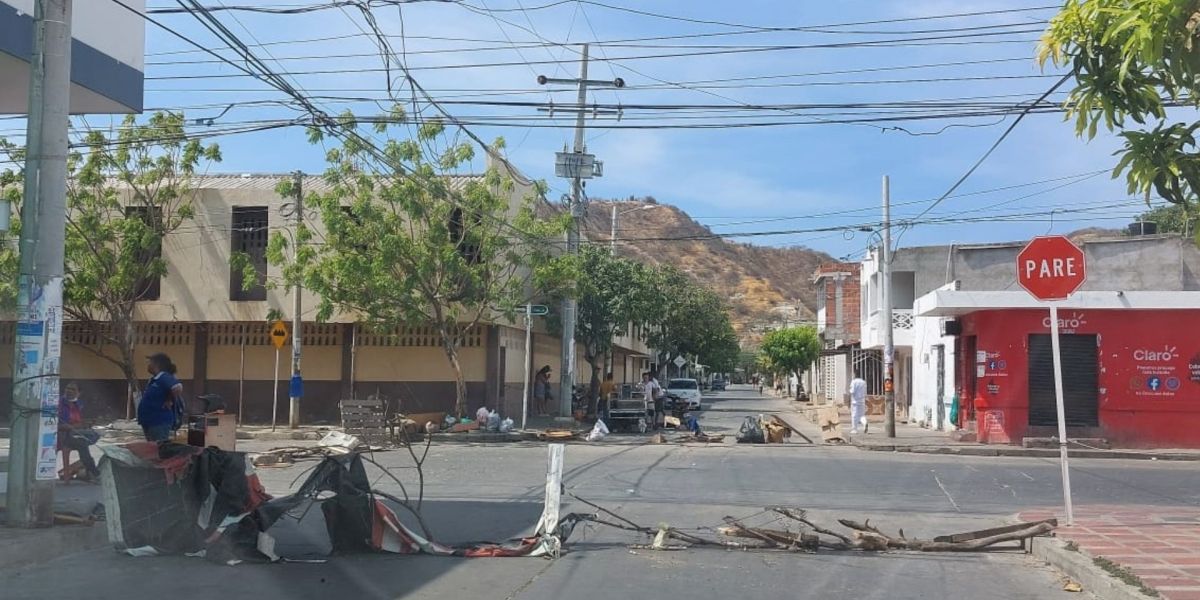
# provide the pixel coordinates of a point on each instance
(1080, 381)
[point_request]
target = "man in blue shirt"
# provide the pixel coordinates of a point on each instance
(156, 409)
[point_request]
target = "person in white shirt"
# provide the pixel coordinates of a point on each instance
(858, 404)
(654, 394)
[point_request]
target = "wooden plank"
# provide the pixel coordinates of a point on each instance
(983, 533)
(784, 421)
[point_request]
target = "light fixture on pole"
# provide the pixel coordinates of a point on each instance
(612, 236)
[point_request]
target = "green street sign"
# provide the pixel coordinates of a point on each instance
(539, 310)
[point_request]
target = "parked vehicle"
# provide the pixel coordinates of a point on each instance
(718, 383)
(687, 391)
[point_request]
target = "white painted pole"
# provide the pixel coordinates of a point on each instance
(1062, 421)
(275, 390)
(528, 353)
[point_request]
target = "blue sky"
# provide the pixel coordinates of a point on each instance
(799, 177)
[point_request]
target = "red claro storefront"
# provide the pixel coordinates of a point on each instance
(1131, 375)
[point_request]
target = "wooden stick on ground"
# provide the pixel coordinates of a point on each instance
(799, 515)
(672, 532)
(870, 536)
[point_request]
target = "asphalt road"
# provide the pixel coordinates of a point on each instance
(494, 492)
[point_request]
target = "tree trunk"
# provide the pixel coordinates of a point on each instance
(460, 384)
(594, 386)
(126, 337)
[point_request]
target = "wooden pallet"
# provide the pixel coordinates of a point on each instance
(364, 419)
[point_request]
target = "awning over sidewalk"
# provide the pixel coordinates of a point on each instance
(953, 303)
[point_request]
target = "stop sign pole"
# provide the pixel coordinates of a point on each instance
(1051, 268)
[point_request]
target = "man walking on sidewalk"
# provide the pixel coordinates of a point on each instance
(858, 404)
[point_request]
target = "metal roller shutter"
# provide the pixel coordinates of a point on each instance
(1080, 381)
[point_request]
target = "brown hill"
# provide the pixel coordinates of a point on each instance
(763, 284)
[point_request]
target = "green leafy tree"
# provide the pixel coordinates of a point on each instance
(791, 350)
(405, 245)
(1131, 59)
(613, 293)
(1171, 218)
(127, 191)
(747, 363)
(11, 180)
(691, 321)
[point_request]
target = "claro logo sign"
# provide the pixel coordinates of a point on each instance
(1166, 354)
(1073, 321)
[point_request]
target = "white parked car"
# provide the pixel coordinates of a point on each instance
(687, 390)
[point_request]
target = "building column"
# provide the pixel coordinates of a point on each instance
(199, 359)
(347, 378)
(491, 369)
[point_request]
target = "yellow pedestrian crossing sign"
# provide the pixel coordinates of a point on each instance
(279, 334)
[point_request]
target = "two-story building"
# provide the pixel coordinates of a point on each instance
(839, 324)
(216, 329)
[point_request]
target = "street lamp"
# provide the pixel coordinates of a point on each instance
(612, 238)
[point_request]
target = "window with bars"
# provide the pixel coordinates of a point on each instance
(150, 286)
(458, 234)
(249, 241)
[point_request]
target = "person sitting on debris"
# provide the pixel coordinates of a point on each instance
(541, 392)
(858, 404)
(156, 409)
(72, 435)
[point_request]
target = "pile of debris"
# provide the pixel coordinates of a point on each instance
(811, 537)
(335, 443)
(768, 430)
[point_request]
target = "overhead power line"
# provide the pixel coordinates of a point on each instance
(772, 28)
(296, 10)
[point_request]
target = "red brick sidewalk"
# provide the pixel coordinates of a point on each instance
(1161, 545)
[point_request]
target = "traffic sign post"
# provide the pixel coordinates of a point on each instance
(1051, 268)
(279, 338)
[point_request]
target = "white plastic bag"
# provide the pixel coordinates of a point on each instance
(599, 430)
(506, 426)
(481, 416)
(340, 440)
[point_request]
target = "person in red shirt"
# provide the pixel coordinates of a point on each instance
(72, 434)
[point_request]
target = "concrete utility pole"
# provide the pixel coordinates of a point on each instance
(612, 234)
(296, 388)
(575, 168)
(889, 347)
(38, 344)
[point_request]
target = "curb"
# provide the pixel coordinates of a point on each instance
(22, 547)
(1078, 565)
(1025, 452)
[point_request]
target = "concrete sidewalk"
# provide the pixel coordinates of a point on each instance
(1140, 545)
(919, 440)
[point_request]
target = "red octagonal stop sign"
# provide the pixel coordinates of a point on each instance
(1051, 267)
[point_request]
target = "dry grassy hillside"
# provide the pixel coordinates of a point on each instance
(763, 284)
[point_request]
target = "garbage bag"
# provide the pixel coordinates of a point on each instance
(599, 430)
(493, 421)
(506, 426)
(751, 432)
(481, 415)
